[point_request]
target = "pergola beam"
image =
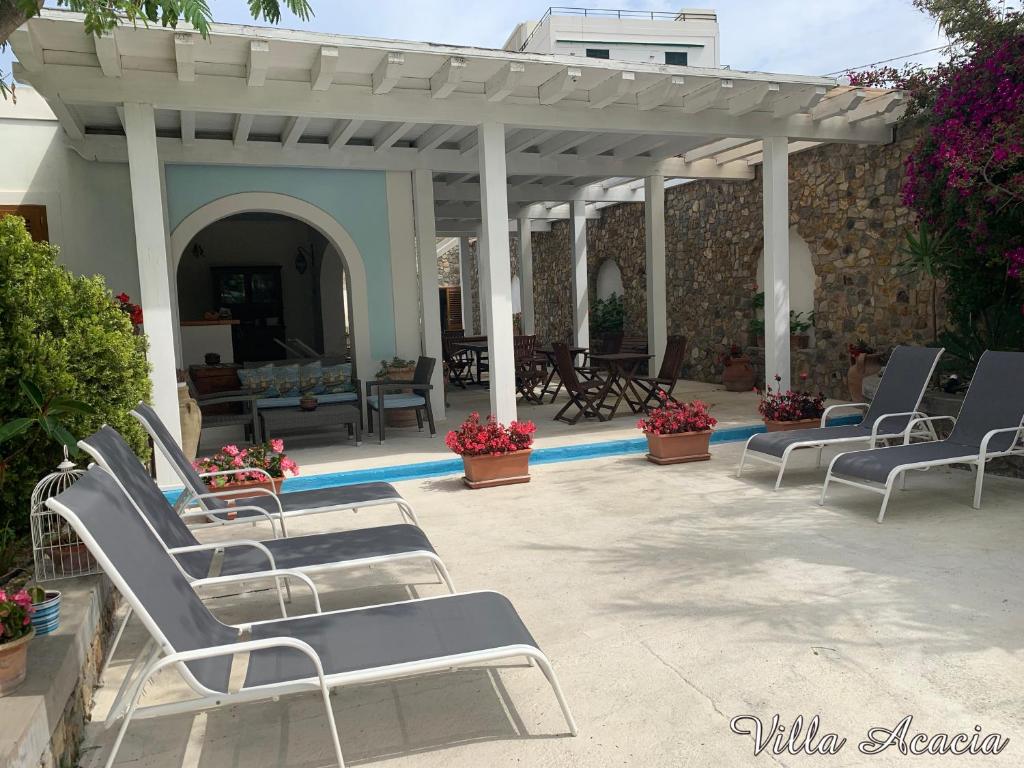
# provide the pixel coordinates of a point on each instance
(325, 64)
(240, 134)
(293, 131)
(107, 52)
(836, 105)
(534, 192)
(259, 63)
(802, 101)
(659, 93)
(188, 127)
(435, 136)
(387, 74)
(707, 96)
(752, 98)
(185, 56)
(503, 82)
(611, 89)
(342, 132)
(447, 77)
(879, 105)
(389, 134)
(559, 86)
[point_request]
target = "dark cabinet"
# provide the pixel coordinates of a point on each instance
(254, 296)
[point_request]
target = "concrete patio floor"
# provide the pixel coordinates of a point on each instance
(669, 600)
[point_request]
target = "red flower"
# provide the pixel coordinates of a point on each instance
(671, 417)
(491, 438)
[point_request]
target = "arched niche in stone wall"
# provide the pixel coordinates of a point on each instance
(609, 279)
(802, 276)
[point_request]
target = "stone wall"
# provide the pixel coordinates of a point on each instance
(448, 267)
(844, 202)
(513, 246)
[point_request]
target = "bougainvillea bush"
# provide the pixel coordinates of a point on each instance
(791, 405)
(965, 178)
(269, 457)
(673, 417)
(490, 438)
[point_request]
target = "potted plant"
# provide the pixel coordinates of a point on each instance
(45, 610)
(492, 453)
(737, 370)
(398, 369)
(799, 324)
(791, 409)
(677, 432)
(864, 362)
(16, 632)
(268, 457)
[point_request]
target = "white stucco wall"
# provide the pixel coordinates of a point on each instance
(88, 205)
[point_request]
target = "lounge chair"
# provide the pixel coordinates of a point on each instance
(417, 400)
(267, 505)
(887, 417)
(990, 425)
(312, 653)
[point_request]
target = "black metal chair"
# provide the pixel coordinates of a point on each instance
(379, 399)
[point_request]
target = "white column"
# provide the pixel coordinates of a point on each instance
(481, 280)
(496, 270)
(776, 260)
(466, 285)
(657, 307)
(430, 305)
(154, 276)
(526, 275)
(580, 299)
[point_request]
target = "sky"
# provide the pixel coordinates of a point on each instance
(785, 36)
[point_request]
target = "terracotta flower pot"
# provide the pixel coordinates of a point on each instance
(786, 426)
(501, 469)
(738, 375)
(69, 559)
(678, 448)
(13, 657)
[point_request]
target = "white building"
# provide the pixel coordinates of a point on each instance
(686, 38)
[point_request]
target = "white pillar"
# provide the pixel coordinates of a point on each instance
(580, 299)
(154, 276)
(481, 280)
(430, 305)
(466, 285)
(496, 268)
(657, 307)
(775, 170)
(526, 276)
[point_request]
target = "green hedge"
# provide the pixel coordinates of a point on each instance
(65, 333)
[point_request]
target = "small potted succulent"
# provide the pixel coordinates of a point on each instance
(16, 632)
(247, 464)
(677, 432)
(737, 370)
(45, 610)
(792, 409)
(492, 453)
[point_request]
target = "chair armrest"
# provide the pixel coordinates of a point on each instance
(225, 545)
(239, 396)
(884, 416)
(424, 387)
(992, 433)
(275, 574)
(827, 411)
(922, 420)
(205, 513)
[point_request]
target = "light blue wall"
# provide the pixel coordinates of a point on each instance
(357, 200)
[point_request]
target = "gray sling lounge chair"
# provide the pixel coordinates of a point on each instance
(269, 505)
(887, 417)
(312, 653)
(990, 425)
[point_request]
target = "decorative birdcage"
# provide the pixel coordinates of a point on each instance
(56, 548)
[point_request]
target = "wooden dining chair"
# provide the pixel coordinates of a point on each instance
(584, 394)
(530, 373)
(458, 362)
(668, 374)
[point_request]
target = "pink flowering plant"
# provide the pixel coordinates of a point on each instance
(673, 417)
(269, 457)
(791, 405)
(490, 438)
(15, 615)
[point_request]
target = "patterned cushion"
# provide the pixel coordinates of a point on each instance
(258, 381)
(311, 379)
(286, 379)
(336, 378)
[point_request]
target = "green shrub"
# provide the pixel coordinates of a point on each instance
(607, 315)
(65, 333)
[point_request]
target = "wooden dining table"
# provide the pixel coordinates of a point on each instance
(478, 348)
(549, 353)
(621, 383)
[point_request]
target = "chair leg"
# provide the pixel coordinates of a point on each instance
(978, 482)
(325, 692)
(430, 417)
(890, 482)
(443, 573)
(419, 418)
(382, 418)
(549, 673)
(782, 468)
(116, 641)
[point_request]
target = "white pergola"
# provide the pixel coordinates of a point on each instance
(493, 139)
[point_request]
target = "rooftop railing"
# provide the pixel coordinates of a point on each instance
(613, 13)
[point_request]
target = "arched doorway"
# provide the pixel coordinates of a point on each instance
(330, 240)
(609, 280)
(802, 277)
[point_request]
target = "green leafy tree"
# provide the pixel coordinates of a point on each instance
(67, 333)
(926, 254)
(101, 15)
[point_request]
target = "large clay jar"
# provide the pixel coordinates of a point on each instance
(403, 418)
(191, 422)
(738, 375)
(866, 364)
